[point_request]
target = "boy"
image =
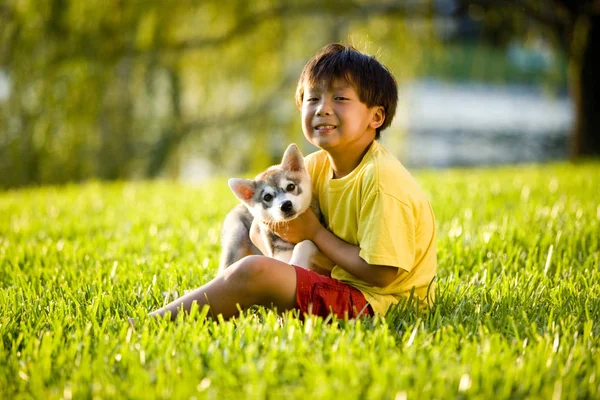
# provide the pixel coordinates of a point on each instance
(381, 229)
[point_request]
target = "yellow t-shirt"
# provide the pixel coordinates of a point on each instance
(380, 208)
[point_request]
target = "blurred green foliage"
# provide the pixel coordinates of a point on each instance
(128, 90)
(116, 90)
(472, 60)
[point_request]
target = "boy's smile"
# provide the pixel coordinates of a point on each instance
(334, 117)
(325, 128)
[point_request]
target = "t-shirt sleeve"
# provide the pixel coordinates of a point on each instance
(386, 231)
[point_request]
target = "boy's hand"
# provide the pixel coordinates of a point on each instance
(304, 227)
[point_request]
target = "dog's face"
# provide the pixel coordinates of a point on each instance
(281, 193)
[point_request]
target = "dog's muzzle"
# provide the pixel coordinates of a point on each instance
(286, 206)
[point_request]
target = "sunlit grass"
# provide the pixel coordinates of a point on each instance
(518, 310)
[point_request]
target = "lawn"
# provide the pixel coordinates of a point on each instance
(518, 289)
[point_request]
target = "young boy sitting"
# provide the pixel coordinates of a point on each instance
(380, 232)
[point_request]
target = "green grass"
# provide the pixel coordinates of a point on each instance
(518, 311)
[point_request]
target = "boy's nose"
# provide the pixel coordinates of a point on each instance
(324, 108)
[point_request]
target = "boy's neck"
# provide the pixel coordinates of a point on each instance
(343, 162)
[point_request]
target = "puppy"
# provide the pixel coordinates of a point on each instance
(279, 194)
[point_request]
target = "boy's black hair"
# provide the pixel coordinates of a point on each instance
(373, 82)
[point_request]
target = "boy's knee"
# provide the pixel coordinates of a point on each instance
(247, 272)
(256, 277)
(261, 280)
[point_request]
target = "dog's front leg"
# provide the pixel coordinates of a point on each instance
(303, 254)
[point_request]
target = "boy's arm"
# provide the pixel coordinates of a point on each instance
(345, 255)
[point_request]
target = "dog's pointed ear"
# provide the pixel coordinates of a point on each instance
(292, 159)
(242, 188)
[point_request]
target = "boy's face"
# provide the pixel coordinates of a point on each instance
(334, 118)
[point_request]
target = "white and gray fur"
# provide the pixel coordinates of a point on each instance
(279, 194)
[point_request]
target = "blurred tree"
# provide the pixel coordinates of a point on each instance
(117, 90)
(575, 25)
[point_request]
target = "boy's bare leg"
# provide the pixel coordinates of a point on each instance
(254, 280)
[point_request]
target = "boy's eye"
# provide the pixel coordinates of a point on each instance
(341, 98)
(290, 187)
(268, 197)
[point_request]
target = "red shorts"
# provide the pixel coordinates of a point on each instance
(320, 295)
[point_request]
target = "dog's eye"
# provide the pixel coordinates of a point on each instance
(290, 187)
(268, 197)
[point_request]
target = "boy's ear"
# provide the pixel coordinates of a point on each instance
(242, 188)
(378, 117)
(292, 159)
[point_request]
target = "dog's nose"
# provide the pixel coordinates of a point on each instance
(286, 206)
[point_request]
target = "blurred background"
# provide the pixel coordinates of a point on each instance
(140, 89)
